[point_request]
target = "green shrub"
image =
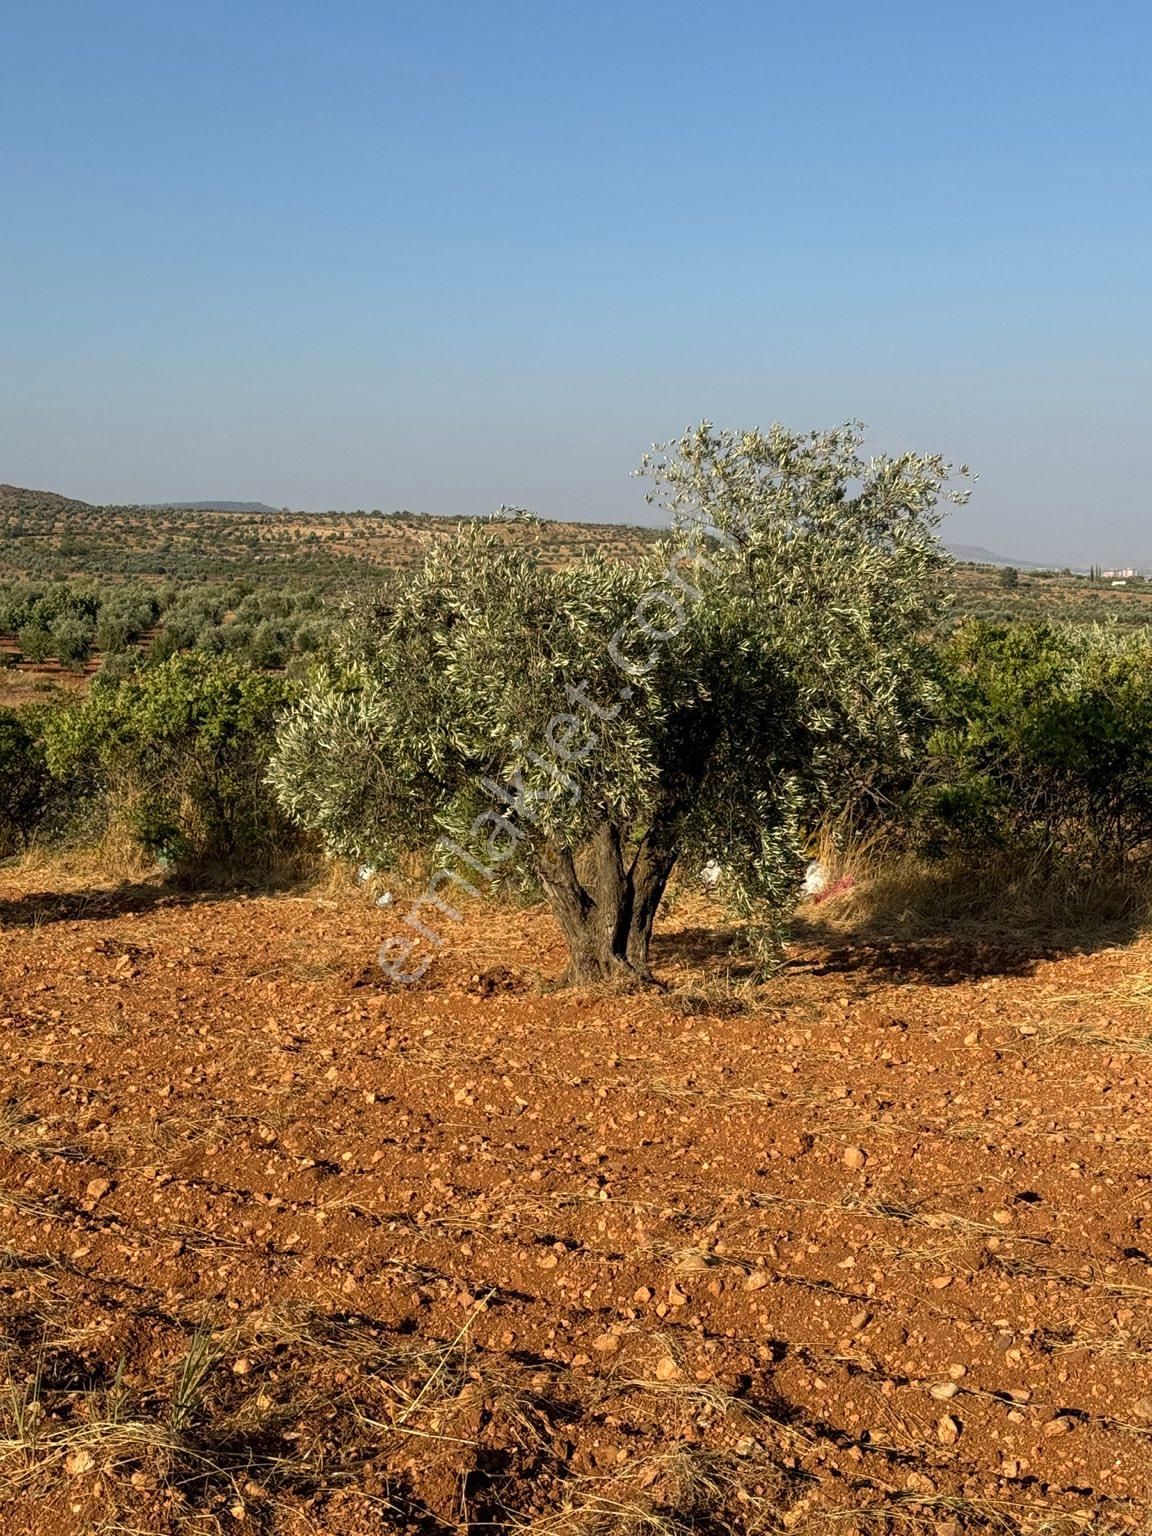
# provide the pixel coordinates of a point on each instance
(35, 642)
(72, 642)
(180, 752)
(1044, 744)
(25, 783)
(115, 666)
(123, 617)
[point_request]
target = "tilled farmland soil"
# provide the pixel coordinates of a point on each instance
(867, 1248)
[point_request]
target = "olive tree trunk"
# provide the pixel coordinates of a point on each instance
(607, 912)
(607, 915)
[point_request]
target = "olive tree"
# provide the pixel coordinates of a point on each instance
(592, 726)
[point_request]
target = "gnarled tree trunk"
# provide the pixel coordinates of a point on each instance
(607, 917)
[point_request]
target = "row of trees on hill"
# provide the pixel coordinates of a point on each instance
(70, 622)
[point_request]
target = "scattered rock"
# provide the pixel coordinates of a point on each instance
(948, 1430)
(854, 1158)
(691, 1263)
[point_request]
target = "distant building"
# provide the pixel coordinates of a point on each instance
(1131, 574)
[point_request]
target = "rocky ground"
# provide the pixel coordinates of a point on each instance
(867, 1247)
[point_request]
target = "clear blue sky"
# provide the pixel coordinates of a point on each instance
(448, 254)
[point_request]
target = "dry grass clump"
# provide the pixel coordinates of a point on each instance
(1008, 893)
(696, 1458)
(24, 1132)
(288, 1408)
(674, 1492)
(253, 1417)
(113, 860)
(200, 1440)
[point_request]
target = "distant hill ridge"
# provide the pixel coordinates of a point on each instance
(17, 497)
(44, 537)
(976, 554)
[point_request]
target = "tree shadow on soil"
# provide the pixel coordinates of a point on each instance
(949, 958)
(820, 947)
(704, 949)
(946, 961)
(36, 908)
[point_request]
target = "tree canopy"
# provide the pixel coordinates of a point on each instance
(591, 727)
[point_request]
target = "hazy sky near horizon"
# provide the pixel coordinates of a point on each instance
(455, 254)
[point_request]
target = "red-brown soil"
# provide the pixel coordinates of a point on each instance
(868, 1247)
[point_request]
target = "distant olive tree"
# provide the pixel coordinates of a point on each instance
(72, 641)
(35, 642)
(596, 724)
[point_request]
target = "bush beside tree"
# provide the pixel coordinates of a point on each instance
(72, 642)
(1043, 746)
(25, 782)
(180, 751)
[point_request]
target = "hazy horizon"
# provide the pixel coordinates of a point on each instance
(463, 256)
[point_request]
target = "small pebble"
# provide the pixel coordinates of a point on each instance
(947, 1430)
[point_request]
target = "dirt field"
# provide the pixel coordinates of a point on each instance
(282, 1250)
(31, 683)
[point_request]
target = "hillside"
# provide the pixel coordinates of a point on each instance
(976, 554)
(46, 537)
(19, 501)
(1047, 596)
(49, 537)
